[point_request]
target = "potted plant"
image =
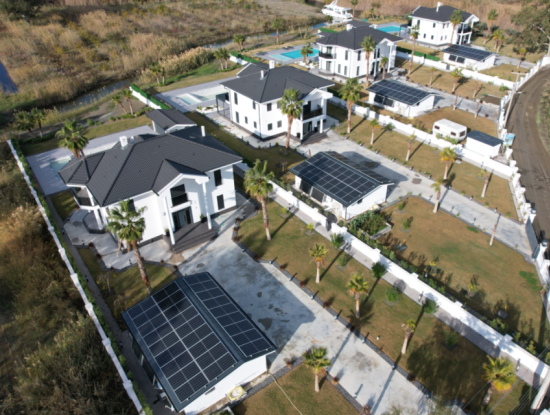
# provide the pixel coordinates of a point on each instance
(166, 232)
(203, 218)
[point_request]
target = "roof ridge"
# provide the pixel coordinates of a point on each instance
(158, 172)
(118, 173)
(202, 145)
(75, 170)
(265, 84)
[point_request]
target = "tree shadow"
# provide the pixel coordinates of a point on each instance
(280, 226)
(363, 119)
(451, 178)
(340, 251)
(416, 149)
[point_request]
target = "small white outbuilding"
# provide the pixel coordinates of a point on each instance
(483, 144)
(451, 129)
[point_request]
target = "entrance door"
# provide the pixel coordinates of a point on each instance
(307, 128)
(182, 218)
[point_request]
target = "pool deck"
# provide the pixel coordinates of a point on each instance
(276, 54)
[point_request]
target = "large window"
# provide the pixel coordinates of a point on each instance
(218, 178)
(279, 124)
(269, 127)
(269, 107)
(235, 98)
(237, 117)
(346, 56)
(253, 105)
(179, 195)
(221, 202)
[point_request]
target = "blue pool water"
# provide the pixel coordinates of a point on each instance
(59, 164)
(390, 29)
(295, 54)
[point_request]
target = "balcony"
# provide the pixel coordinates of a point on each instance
(312, 114)
(325, 55)
(464, 29)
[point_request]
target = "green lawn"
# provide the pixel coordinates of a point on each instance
(299, 386)
(450, 374)
(64, 204)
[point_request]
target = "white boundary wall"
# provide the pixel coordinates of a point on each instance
(146, 101)
(293, 201)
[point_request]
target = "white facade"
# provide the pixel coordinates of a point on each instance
(449, 128)
(482, 148)
(405, 110)
(470, 63)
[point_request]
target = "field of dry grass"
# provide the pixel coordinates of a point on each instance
(467, 119)
(508, 50)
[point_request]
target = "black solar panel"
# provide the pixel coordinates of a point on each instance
(467, 52)
(393, 90)
(232, 319)
(484, 138)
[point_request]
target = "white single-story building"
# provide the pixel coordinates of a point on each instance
(400, 98)
(483, 144)
(167, 121)
(340, 184)
(469, 57)
(195, 344)
(450, 129)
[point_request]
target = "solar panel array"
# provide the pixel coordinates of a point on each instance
(484, 138)
(336, 178)
(468, 52)
(235, 323)
(362, 168)
(188, 352)
(398, 91)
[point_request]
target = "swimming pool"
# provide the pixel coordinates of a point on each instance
(59, 164)
(390, 29)
(295, 54)
(199, 97)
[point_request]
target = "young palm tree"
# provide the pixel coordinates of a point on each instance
(354, 5)
(521, 53)
(72, 138)
(410, 141)
(317, 254)
(384, 60)
(369, 45)
(24, 122)
(277, 24)
(291, 106)
(414, 35)
(448, 155)
(239, 40)
(224, 53)
(38, 117)
(306, 51)
(316, 359)
(409, 329)
(456, 73)
(378, 270)
(432, 71)
(127, 93)
(375, 125)
(498, 37)
(456, 19)
(351, 93)
(117, 99)
(491, 17)
(437, 188)
(257, 184)
(500, 372)
(128, 225)
(218, 55)
(156, 70)
(357, 286)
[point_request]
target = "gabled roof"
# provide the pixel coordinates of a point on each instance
(484, 138)
(351, 39)
(253, 68)
(166, 119)
(121, 173)
(274, 82)
(442, 15)
(358, 23)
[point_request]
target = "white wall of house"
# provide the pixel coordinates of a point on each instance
(471, 64)
(400, 108)
(482, 148)
(440, 33)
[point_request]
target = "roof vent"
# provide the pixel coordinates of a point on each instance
(349, 27)
(203, 131)
(123, 141)
(271, 64)
(438, 5)
(262, 74)
(132, 140)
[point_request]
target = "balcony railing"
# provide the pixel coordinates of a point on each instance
(312, 114)
(466, 29)
(325, 55)
(84, 201)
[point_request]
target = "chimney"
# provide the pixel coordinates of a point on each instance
(349, 27)
(271, 64)
(438, 4)
(262, 74)
(123, 141)
(132, 140)
(203, 131)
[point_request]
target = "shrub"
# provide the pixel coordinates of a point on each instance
(392, 294)
(406, 224)
(430, 307)
(499, 326)
(451, 338)
(401, 205)
(336, 240)
(441, 290)
(369, 222)
(343, 260)
(432, 284)
(378, 270)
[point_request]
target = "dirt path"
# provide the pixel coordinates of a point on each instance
(532, 158)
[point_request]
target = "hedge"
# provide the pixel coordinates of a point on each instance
(244, 57)
(149, 97)
(322, 29)
(422, 55)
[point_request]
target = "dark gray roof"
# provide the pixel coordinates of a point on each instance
(253, 68)
(194, 335)
(351, 39)
(168, 118)
(431, 13)
(274, 83)
(468, 52)
(484, 138)
(121, 173)
(358, 23)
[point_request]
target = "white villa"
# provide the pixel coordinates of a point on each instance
(341, 53)
(400, 98)
(435, 27)
(252, 100)
(182, 178)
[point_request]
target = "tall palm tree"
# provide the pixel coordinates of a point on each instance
(456, 19)
(498, 37)
(409, 329)
(225, 55)
(306, 51)
(156, 70)
(521, 52)
(72, 138)
(500, 372)
(410, 141)
(217, 55)
(491, 17)
(432, 71)
(127, 93)
(369, 45)
(257, 184)
(375, 125)
(357, 286)
(316, 359)
(291, 106)
(351, 93)
(38, 116)
(436, 185)
(456, 73)
(414, 35)
(378, 270)
(318, 253)
(239, 40)
(128, 225)
(117, 99)
(448, 155)
(384, 61)
(277, 24)
(354, 4)
(24, 122)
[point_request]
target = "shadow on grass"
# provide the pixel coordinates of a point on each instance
(340, 252)
(358, 124)
(416, 149)
(280, 226)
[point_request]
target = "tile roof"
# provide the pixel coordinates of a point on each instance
(351, 39)
(431, 13)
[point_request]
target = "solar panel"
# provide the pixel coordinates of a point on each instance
(393, 90)
(467, 52)
(484, 138)
(232, 319)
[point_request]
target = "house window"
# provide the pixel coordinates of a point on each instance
(235, 98)
(218, 178)
(328, 66)
(357, 71)
(269, 127)
(339, 68)
(237, 117)
(279, 124)
(131, 206)
(255, 125)
(359, 55)
(253, 105)
(179, 195)
(278, 105)
(434, 24)
(246, 120)
(432, 37)
(436, 127)
(346, 56)
(269, 107)
(424, 35)
(345, 70)
(441, 37)
(221, 203)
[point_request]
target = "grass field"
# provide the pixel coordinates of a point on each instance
(467, 119)
(299, 386)
(508, 50)
(419, 49)
(505, 72)
(449, 374)
(64, 204)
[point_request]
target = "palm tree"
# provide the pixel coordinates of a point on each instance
(218, 55)
(375, 125)
(409, 329)
(354, 4)
(456, 73)
(72, 138)
(414, 35)
(306, 51)
(117, 99)
(486, 177)
(456, 19)
(317, 254)
(498, 37)
(378, 270)
(239, 40)
(128, 225)
(156, 70)
(24, 122)
(291, 106)
(277, 24)
(410, 140)
(491, 17)
(357, 286)
(384, 60)
(38, 117)
(521, 53)
(500, 373)
(316, 359)
(127, 93)
(369, 45)
(448, 155)
(432, 71)
(225, 55)
(436, 185)
(257, 184)
(351, 93)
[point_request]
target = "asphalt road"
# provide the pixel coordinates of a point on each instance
(532, 157)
